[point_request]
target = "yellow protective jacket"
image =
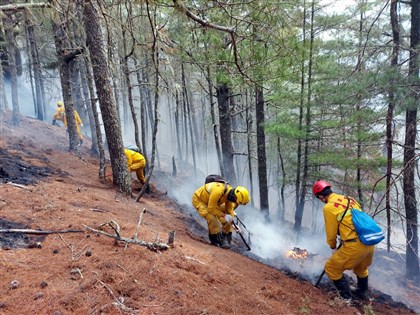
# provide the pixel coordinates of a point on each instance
(59, 114)
(76, 117)
(333, 212)
(135, 160)
(215, 197)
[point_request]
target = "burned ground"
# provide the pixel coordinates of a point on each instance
(90, 273)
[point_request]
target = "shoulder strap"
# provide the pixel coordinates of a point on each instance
(344, 214)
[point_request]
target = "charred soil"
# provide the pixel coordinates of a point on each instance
(45, 187)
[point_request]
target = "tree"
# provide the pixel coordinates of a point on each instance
(11, 58)
(410, 158)
(121, 175)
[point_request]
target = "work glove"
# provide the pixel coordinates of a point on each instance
(228, 218)
(234, 214)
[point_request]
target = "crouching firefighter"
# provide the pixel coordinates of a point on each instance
(351, 254)
(216, 203)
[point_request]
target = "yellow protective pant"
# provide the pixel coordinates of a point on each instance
(79, 132)
(215, 224)
(354, 256)
(140, 173)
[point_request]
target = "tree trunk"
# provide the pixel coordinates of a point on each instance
(2, 88)
(97, 133)
(249, 146)
(11, 51)
(35, 65)
(61, 43)
(390, 114)
(409, 185)
(262, 159)
(142, 107)
(214, 123)
(223, 94)
(298, 182)
(121, 175)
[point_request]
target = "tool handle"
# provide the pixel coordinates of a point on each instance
(240, 234)
(323, 272)
(319, 278)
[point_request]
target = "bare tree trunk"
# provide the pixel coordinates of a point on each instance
(410, 160)
(178, 125)
(305, 157)
(121, 175)
(282, 185)
(126, 71)
(390, 114)
(262, 158)
(61, 43)
(215, 123)
(142, 106)
(188, 119)
(11, 51)
(223, 94)
(2, 90)
(298, 182)
(96, 133)
(155, 54)
(34, 61)
(250, 157)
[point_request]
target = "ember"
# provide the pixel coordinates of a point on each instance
(297, 253)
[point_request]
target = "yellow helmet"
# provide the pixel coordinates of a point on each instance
(242, 195)
(60, 104)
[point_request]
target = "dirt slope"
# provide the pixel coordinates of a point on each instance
(89, 273)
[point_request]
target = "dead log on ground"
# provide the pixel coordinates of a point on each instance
(29, 231)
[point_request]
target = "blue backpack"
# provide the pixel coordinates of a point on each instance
(368, 231)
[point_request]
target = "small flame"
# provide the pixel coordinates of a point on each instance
(297, 253)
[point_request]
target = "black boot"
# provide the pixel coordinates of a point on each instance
(343, 288)
(228, 237)
(223, 242)
(214, 239)
(361, 291)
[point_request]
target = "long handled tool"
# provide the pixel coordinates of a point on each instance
(240, 234)
(323, 272)
(319, 278)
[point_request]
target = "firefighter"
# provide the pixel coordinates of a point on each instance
(352, 254)
(60, 114)
(216, 203)
(136, 163)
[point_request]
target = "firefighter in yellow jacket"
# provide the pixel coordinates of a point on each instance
(136, 163)
(216, 203)
(60, 114)
(352, 254)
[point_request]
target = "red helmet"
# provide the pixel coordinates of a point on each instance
(319, 186)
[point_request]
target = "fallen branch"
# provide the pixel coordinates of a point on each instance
(19, 186)
(150, 245)
(29, 231)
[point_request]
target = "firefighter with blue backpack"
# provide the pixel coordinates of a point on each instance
(351, 254)
(216, 202)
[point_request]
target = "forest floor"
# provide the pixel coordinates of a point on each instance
(43, 186)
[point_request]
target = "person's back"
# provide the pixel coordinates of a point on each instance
(59, 113)
(136, 163)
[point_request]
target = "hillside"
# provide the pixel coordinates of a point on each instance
(43, 186)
